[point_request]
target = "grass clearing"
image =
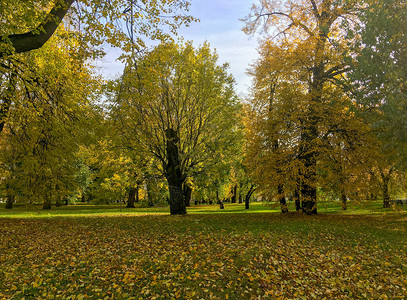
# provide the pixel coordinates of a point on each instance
(104, 253)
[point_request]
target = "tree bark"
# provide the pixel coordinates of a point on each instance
(137, 200)
(174, 174)
(221, 206)
(308, 158)
(248, 195)
(344, 201)
(282, 200)
(131, 197)
(385, 189)
(234, 193)
(10, 201)
(58, 202)
(187, 194)
(39, 36)
(297, 200)
(47, 203)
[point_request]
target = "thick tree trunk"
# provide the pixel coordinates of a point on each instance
(221, 206)
(174, 174)
(309, 138)
(150, 201)
(187, 194)
(344, 201)
(240, 198)
(282, 200)
(234, 193)
(385, 190)
(137, 200)
(47, 203)
(58, 202)
(131, 197)
(39, 36)
(248, 195)
(385, 187)
(297, 200)
(308, 187)
(10, 201)
(177, 201)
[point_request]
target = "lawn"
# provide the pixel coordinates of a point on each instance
(84, 252)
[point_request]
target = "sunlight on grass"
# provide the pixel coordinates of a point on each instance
(36, 211)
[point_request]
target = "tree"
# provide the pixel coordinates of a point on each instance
(314, 49)
(179, 105)
(31, 25)
(379, 77)
(51, 97)
(92, 22)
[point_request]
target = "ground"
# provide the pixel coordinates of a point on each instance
(113, 253)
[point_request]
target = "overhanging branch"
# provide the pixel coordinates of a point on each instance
(39, 36)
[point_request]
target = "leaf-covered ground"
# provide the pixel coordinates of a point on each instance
(205, 256)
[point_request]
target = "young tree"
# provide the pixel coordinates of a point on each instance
(179, 105)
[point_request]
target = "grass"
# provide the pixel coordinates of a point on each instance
(81, 252)
(36, 211)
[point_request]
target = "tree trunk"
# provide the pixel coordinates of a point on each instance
(10, 201)
(137, 200)
(47, 203)
(282, 200)
(234, 192)
(248, 195)
(150, 202)
(174, 174)
(308, 187)
(385, 190)
(58, 202)
(217, 197)
(221, 206)
(240, 198)
(83, 198)
(131, 197)
(187, 194)
(344, 201)
(297, 200)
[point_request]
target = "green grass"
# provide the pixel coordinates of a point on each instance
(36, 211)
(93, 252)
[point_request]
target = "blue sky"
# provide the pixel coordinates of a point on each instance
(220, 26)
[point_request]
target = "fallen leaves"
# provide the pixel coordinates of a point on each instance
(262, 256)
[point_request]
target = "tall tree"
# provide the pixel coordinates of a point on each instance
(179, 105)
(379, 77)
(51, 99)
(310, 33)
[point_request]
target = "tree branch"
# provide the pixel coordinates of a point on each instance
(39, 36)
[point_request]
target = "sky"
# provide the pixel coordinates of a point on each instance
(220, 26)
